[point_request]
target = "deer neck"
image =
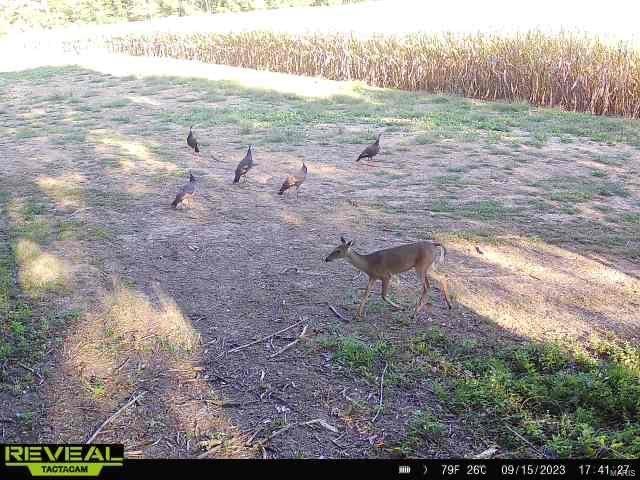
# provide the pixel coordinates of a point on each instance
(358, 261)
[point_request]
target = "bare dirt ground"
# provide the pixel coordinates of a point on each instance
(128, 296)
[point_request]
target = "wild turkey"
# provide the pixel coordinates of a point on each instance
(186, 192)
(192, 141)
(294, 180)
(244, 166)
(371, 150)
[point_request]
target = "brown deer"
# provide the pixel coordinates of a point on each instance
(382, 264)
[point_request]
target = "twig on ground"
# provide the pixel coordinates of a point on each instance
(337, 313)
(32, 371)
(335, 440)
(275, 434)
(488, 453)
(255, 434)
(265, 338)
(291, 344)
(210, 451)
(380, 405)
(112, 417)
(80, 210)
(535, 449)
(322, 423)
(121, 366)
(236, 404)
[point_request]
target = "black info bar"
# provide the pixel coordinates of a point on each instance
(111, 462)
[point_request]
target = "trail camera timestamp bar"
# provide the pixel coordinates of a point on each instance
(108, 462)
(516, 469)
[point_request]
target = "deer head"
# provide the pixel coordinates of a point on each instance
(341, 251)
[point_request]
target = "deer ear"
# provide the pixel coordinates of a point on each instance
(343, 240)
(350, 243)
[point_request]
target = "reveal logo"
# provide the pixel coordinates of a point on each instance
(63, 460)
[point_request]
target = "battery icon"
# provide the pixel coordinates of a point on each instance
(404, 469)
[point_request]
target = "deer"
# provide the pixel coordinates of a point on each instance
(383, 264)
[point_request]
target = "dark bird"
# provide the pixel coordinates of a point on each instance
(294, 180)
(479, 251)
(186, 192)
(371, 150)
(244, 166)
(192, 141)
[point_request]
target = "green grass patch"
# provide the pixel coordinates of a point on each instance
(631, 218)
(121, 119)
(26, 133)
(424, 427)
(117, 103)
(577, 403)
(78, 230)
(580, 189)
(358, 355)
(487, 210)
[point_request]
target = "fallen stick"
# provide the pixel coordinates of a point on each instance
(78, 211)
(236, 404)
(265, 338)
(31, 370)
(488, 453)
(337, 313)
(210, 451)
(112, 417)
(335, 440)
(121, 366)
(322, 423)
(255, 434)
(381, 387)
(535, 449)
(275, 434)
(291, 344)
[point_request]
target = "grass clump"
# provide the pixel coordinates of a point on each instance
(582, 403)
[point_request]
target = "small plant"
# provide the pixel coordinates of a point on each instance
(424, 427)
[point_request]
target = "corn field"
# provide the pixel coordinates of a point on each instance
(573, 72)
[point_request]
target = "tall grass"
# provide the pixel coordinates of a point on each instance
(574, 72)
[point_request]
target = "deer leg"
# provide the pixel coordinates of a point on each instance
(366, 297)
(385, 289)
(445, 293)
(423, 296)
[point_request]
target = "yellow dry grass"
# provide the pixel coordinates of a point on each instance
(64, 190)
(133, 156)
(130, 315)
(39, 271)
